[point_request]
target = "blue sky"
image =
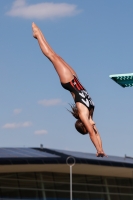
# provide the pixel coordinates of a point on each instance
(96, 39)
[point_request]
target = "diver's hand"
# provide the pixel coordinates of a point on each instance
(101, 154)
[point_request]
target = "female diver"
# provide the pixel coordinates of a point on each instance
(84, 106)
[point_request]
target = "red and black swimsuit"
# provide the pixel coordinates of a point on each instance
(81, 95)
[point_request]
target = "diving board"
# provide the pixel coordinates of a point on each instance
(124, 80)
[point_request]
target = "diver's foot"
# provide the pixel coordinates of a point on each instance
(35, 29)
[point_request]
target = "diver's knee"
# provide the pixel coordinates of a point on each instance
(53, 57)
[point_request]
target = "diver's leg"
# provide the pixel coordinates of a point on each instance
(35, 30)
(70, 68)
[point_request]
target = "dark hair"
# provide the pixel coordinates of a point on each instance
(80, 127)
(74, 111)
(78, 124)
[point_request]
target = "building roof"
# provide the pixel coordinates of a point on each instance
(14, 156)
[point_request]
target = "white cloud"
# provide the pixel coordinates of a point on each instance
(17, 125)
(46, 10)
(40, 132)
(17, 111)
(50, 102)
